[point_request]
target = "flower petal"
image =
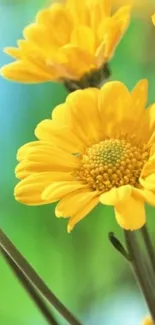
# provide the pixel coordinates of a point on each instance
(150, 126)
(24, 150)
(59, 114)
(118, 27)
(114, 98)
(83, 37)
(148, 182)
(14, 52)
(57, 21)
(116, 195)
(149, 167)
(153, 19)
(144, 194)
(83, 108)
(140, 96)
(69, 57)
(74, 202)
(82, 213)
(59, 136)
(130, 214)
(45, 159)
(29, 190)
(25, 72)
(78, 11)
(58, 190)
(99, 10)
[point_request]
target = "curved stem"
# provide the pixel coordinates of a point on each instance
(141, 271)
(149, 246)
(35, 279)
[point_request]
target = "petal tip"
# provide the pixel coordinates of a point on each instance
(153, 18)
(69, 228)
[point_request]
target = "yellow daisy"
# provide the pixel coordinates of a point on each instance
(70, 40)
(99, 146)
(147, 321)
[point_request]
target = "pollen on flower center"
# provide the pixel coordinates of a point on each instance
(112, 163)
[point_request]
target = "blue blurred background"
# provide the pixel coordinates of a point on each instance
(82, 268)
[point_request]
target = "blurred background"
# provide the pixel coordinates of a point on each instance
(82, 268)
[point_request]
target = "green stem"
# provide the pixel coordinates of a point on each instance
(35, 279)
(40, 303)
(149, 246)
(141, 271)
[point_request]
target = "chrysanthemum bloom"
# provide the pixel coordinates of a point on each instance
(98, 147)
(70, 41)
(148, 321)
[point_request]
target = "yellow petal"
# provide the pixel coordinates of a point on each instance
(76, 60)
(140, 96)
(99, 10)
(78, 10)
(85, 119)
(150, 119)
(36, 57)
(139, 100)
(29, 190)
(24, 72)
(99, 54)
(72, 203)
(145, 195)
(123, 15)
(38, 35)
(24, 150)
(62, 137)
(82, 213)
(152, 150)
(45, 159)
(116, 195)
(119, 24)
(59, 114)
(83, 37)
(148, 182)
(58, 190)
(57, 21)
(153, 19)
(149, 167)
(114, 97)
(130, 214)
(13, 51)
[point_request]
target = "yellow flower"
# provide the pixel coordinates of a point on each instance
(68, 41)
(98, 147)
(147, 321)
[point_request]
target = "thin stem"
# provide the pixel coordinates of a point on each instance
(149, 246)
(141, 272)
(30, 289)
(35, 279)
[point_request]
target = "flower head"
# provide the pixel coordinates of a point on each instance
(70, 40)
(98, 147)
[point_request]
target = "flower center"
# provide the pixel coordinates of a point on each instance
(112, 163)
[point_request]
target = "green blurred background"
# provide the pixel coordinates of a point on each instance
(82, 268)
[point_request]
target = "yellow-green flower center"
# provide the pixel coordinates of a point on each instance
(112, 163)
